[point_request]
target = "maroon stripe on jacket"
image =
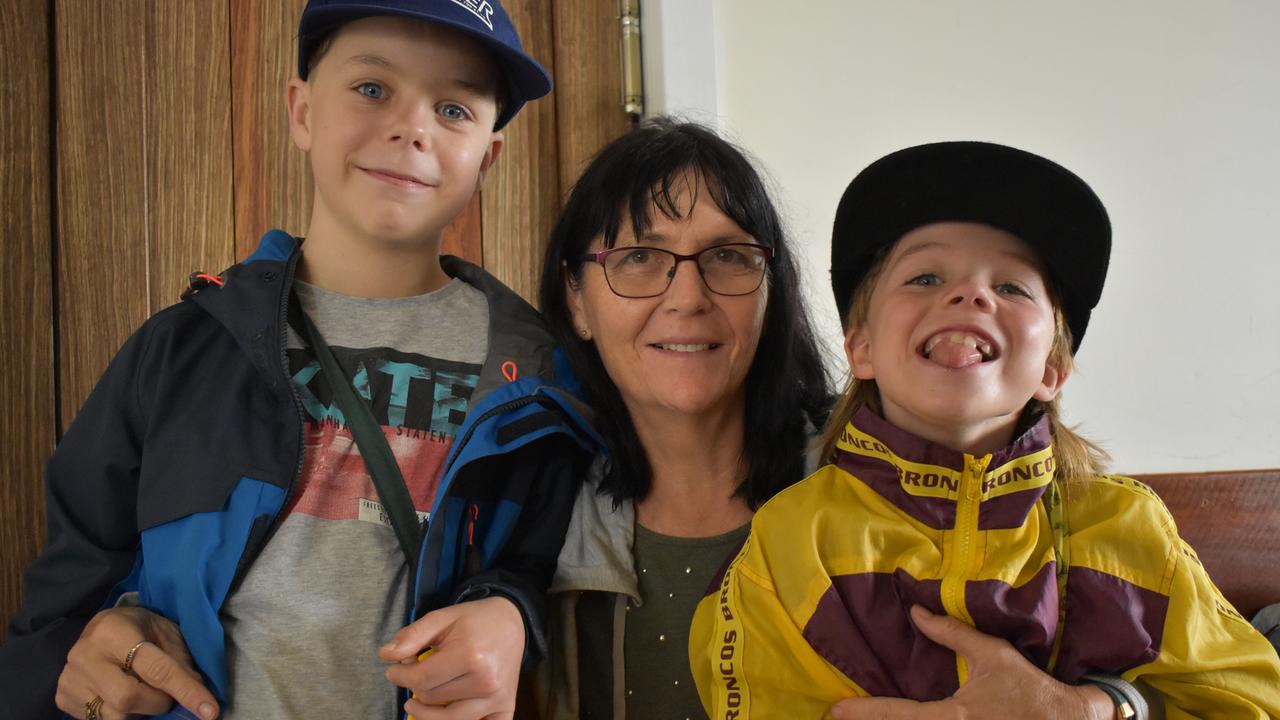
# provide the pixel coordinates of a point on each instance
(883, 478)
(1111, 625)
(1026, 616)
(1008, 511)
(1032, 440)
(862, 627)
(905, 445)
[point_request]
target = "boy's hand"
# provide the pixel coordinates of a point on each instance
(475, 664)
(161, 672)
(1001, 683)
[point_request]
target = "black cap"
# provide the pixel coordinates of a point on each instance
(1043, 203)
(484, 20)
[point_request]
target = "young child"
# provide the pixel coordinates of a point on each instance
(210, 491)
(965, 274)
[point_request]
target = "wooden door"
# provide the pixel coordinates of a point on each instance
(164, 150)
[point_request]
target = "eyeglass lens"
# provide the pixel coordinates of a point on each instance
(726, 269)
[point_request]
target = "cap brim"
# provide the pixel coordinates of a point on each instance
(1041, 202)
(525, 78)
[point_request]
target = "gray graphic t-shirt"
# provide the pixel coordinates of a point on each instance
(331, 586)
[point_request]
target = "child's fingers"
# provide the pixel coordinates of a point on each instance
(464, 710)
(423, 633)
(426, 676)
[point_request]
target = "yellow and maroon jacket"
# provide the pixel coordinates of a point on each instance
(814, 608)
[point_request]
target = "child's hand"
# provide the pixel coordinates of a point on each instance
(1002, 683)
(160, 670)
(475, 664)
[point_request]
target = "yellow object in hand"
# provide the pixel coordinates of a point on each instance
(422, 657)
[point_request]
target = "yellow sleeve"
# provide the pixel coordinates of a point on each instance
(1212, 662)
(748, 654)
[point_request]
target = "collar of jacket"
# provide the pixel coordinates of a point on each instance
(263, 280)
(597, 552)
(925, 479)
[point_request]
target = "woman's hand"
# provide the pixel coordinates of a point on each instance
(1001, 683)
(161, 672)
(473, 666)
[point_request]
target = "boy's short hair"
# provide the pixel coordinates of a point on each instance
(1044, 204)
(485, 20)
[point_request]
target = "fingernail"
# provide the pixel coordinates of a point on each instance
(206, 711)
(837, 713)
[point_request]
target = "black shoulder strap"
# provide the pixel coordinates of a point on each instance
(378, 458)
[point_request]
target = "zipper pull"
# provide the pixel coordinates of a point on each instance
(473, 558)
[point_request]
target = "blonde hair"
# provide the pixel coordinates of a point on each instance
(1074, 455)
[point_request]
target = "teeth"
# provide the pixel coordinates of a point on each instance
(959, 339)
(685, 348)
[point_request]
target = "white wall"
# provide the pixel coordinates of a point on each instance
(1170, 109)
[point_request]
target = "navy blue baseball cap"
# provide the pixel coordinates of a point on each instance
(1046, 205)
(484, 20)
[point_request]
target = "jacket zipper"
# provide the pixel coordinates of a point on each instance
(415, 573)
(282, 319)
(966, 529)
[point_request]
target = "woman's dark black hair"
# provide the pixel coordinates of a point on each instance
(787, 391)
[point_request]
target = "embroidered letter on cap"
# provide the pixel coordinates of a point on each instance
(480, 8)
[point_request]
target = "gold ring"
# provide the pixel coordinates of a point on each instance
(91, 708)
(127, 665)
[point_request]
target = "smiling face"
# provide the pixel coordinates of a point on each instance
(398, 120)
(958, 335)
(688, 350)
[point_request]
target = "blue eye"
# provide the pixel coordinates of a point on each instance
(454, 111)
(1012, 289)
(371, 90)
(925, 280)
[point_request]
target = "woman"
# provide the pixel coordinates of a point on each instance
(708, 385)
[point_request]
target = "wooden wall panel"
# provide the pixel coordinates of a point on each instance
(272, 178)
(101, 188)
(26, 295)
(188, 141)
(521, 194)
(588, 51)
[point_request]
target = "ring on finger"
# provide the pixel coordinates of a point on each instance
(91, 708)
(127, 665)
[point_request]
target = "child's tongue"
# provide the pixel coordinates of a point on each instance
(954, 355)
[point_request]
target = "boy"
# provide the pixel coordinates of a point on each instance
(966, 274)
(211, 493)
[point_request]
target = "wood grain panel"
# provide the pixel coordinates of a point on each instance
(101, 188)
(1232, 519)
(272, 178)
(26, 295)
(188, 139)
(521, 194)
(588, 57)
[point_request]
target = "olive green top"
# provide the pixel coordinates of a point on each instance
(674, 574)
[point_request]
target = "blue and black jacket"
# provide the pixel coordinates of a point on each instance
(173, 475)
